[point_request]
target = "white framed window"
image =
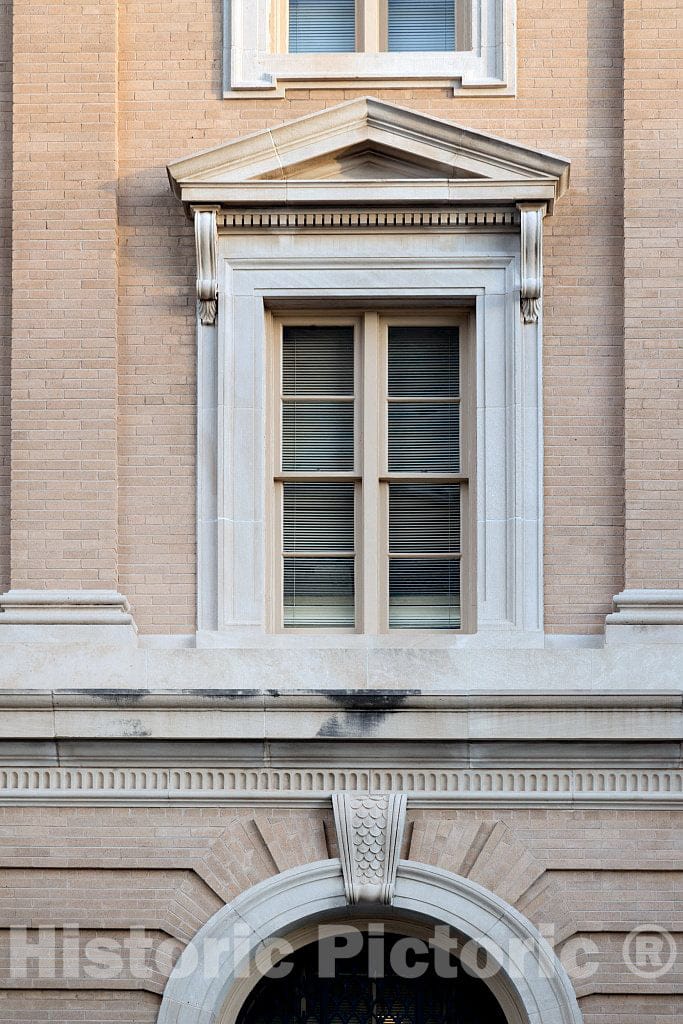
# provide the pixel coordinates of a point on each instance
(283, 224)
(272, 45)
(371, 470)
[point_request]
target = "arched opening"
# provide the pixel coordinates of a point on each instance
(376, 977)
(215, 976)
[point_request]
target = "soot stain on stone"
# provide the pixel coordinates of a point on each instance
(133, 728)
(121, 698)
(369, 700)
(352, 724)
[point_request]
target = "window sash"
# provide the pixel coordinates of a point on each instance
(372, 482)
(367, 26)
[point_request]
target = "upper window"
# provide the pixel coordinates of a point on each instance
(272, 45)
(370, 474)
(344, 26)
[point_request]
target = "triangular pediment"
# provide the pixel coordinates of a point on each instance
(367, 142)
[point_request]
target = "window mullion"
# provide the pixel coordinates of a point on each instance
(371, 560)
(370, 19)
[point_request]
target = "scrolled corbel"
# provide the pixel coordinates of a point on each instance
(206, 242)
(531, 274)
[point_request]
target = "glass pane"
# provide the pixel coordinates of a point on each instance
(424, 593)
(322, 26)
(421, 25)
(318, 517)
(317, 361)
(319, 592)
(424, 518)
(317, 436)
(424, 437)
(424, 362)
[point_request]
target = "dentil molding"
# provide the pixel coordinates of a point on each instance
(325, 219)
(357, 792)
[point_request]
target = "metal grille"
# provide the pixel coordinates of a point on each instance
(353, 996)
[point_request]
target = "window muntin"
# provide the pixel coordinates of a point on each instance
(371, 497)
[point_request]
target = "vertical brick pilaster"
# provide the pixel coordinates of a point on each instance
(64, 276)
(5, 279)
(653, 292)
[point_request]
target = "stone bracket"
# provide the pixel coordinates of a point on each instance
(206, 242)
(370, 830)
(531, 244)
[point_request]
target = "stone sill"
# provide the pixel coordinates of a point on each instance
(100, 668)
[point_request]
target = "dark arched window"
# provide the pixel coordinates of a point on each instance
(315, 986)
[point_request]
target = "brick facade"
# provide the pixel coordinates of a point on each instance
(653, 292)
(108, 868)
(116, 471)
(98, 359)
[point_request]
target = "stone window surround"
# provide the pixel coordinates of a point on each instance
(321, 266)
(256, 64)
(369, 203)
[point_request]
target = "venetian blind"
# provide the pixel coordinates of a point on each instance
(322, 26)
(424, 441)
(421, 25)
(318, 439)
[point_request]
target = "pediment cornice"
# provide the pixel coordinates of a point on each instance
(368, 151)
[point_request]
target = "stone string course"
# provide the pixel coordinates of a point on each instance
(230, 784)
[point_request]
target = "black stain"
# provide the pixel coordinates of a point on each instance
(120, 698)
(353, 725)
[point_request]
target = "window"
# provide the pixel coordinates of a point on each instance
(273, 45)
(343, 26)
(370, 477)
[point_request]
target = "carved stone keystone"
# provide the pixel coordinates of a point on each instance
(370, 832)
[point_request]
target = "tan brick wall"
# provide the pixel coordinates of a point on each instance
(568, 101)
(59, 1007)
(597, 875)
(653, 197)
(636, 1009)
(66, 317)
(64, 294)
(5, 281)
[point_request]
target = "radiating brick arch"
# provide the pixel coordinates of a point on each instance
(215, 973)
